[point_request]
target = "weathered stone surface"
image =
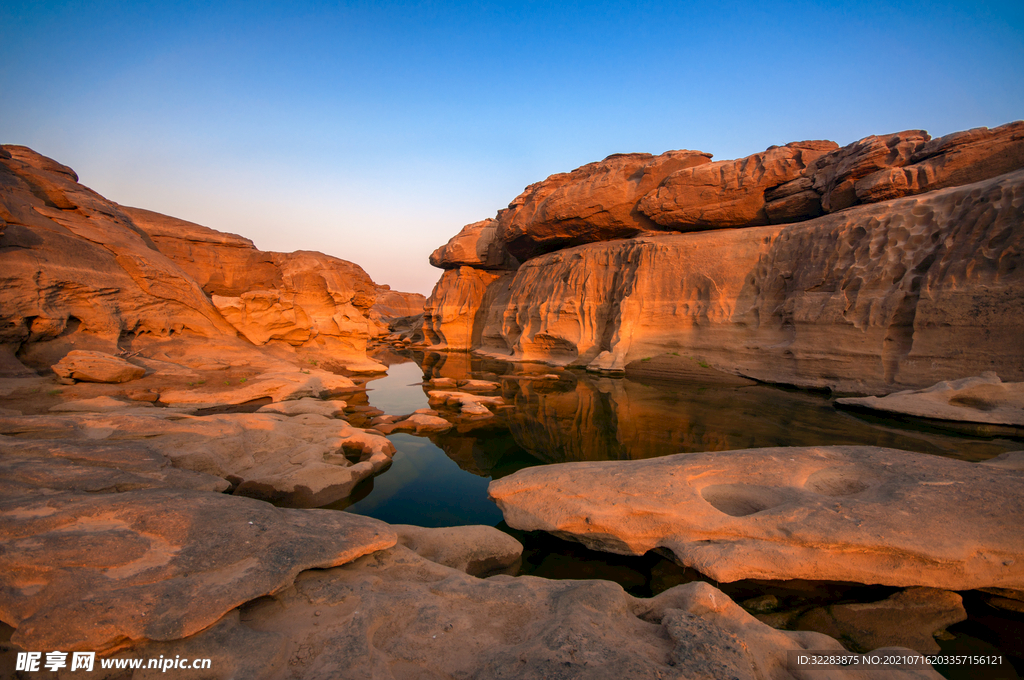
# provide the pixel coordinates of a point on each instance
(907, 619)
(477, 245)
(728, 193)
(980, 399)
(470, 404)
(28, 466)
(78, 274)
(279, 386)
(593, 203)
(98, 405)
(302, 460)
(396, 614)
(302, 299)
(99, 571)
(453, 316)
(96, 367)
(875, 299)
(417, 423)
(860, 514)
(476, 550)
(393, 304)
(306, 405)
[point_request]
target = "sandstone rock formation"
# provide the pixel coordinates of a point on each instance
(477, 245)
(99, 571)
(77, 273)
(907, 619)
(396, 614)
(96, 367)
(729, 193)
(981, 399)
(883, 297)
(860, 514)
(302, 299)
(475, 550)
(278, 385)
(593, 203)
(305, 461)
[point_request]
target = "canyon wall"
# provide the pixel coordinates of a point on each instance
(81, 272)
(891, 263)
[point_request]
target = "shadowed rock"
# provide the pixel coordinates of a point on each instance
(860, 514)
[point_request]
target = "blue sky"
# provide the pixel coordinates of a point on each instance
(374, 131)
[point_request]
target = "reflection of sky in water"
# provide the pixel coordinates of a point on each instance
(393, 394)
(425, 487)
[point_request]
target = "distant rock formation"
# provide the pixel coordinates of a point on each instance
(80, 272)
(890, 263)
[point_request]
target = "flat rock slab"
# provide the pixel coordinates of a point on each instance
(28, 467)
(394, 614)
(304, 460)
(305, 406)
(476, 549)
(99, 367)
(844, 513)
(279, 386)
(98, 571)
(981, 399)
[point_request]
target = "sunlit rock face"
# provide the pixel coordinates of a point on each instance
(302, 299)
(880, 296)
(477, 245)
(844, 513)
(76, 272)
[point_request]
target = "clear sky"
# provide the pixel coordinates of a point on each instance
(373, 131)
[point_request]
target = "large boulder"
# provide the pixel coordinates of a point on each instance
(860, 514)
(477, 245)
(729, 193)
(96, 367)
(593, 203)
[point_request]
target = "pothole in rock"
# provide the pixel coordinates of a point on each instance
(837, 481)
(740, 500)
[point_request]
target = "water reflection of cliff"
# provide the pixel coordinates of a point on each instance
(579, 416)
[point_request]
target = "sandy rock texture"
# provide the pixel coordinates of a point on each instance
(303, 299)
(477, 245)
(96, 367)
(859, 514)
(77, 273)
(875, 299)
(980, 399)
(397, 614)
(101, 571)
(476, 550)
(280, 385)
(305, 460)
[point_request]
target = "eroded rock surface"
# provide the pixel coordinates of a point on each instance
(878, 298)
(96, 367)
(396, 614)
(860, 514)
(477, 245)
(305, 460)
(99, 571)
(981, 399)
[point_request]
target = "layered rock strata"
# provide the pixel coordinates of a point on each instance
(859, 514)
(302, 299)
(850, 291)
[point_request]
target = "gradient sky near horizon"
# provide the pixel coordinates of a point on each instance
(372, 131)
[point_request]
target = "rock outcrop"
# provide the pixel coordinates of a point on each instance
(860, 514)
(302, 299)
(96, 367)
(304, 461)
(397, 614)
(881, 296)
(77, 273)
(477, 245)
(981, 399)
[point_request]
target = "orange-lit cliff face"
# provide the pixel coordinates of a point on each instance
(893, 262)
(81, 272)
